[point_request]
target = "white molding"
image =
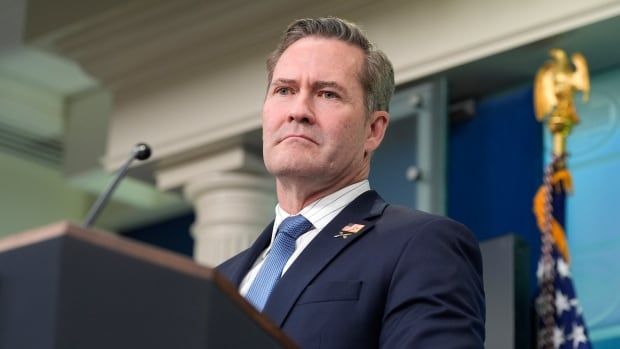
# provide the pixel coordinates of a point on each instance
(452, 58)
(236, 158)
(202, 140)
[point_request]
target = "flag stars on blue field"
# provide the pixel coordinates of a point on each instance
(579, 336)
(575, 303)
(561, 303)
(569, 332)
(563, 268)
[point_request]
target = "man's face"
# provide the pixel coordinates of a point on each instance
(315, 123)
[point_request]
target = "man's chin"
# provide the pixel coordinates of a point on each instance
(292, 169)
(291, 162)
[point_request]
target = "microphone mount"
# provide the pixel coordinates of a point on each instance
(140, 151)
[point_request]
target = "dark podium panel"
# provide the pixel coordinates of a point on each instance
(63, 287)
(505, 262)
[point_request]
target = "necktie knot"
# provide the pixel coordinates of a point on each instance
(294, 226)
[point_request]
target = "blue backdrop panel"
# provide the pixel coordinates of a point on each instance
(495, 168)
(593, 211)
(172, 234)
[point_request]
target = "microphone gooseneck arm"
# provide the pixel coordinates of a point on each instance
(140, 151)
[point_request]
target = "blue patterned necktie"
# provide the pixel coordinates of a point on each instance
(281, 250)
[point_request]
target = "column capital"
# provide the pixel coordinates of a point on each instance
(205, 167)
(227, 180)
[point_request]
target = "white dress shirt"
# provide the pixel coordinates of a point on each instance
(319, 213)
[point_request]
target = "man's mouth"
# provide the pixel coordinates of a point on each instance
(298, 137)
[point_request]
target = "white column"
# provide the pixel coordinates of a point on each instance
(232, 194)
(232, 209)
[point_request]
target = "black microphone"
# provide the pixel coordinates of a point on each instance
(140, 151)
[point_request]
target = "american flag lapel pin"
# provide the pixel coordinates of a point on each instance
(348, 230)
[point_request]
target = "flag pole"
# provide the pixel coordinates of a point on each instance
(560, 322)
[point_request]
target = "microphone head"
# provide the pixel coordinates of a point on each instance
(141, 151)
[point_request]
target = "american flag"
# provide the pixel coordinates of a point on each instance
(560, 320)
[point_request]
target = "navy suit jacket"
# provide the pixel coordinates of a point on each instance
(408, 279)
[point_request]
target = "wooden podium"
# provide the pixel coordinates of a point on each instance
(63, 287)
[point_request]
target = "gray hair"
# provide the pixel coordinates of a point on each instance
(377, 75)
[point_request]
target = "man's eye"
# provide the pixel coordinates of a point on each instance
(283, 91)
(328, 94)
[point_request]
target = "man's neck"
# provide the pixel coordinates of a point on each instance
(293, 198)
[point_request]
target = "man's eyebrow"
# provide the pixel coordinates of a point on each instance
(322, 84)
(283, 82)
(316, 85)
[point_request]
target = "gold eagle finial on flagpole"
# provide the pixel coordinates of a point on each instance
(555, 83)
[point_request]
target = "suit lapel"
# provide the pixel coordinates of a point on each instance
(321, 251)
(248, 258)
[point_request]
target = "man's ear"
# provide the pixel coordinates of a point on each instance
(377, 124)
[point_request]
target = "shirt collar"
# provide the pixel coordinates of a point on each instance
(323, 210)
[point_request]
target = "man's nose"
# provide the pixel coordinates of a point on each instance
(301, 109)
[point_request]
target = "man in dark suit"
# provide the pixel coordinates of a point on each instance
(339, 267)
